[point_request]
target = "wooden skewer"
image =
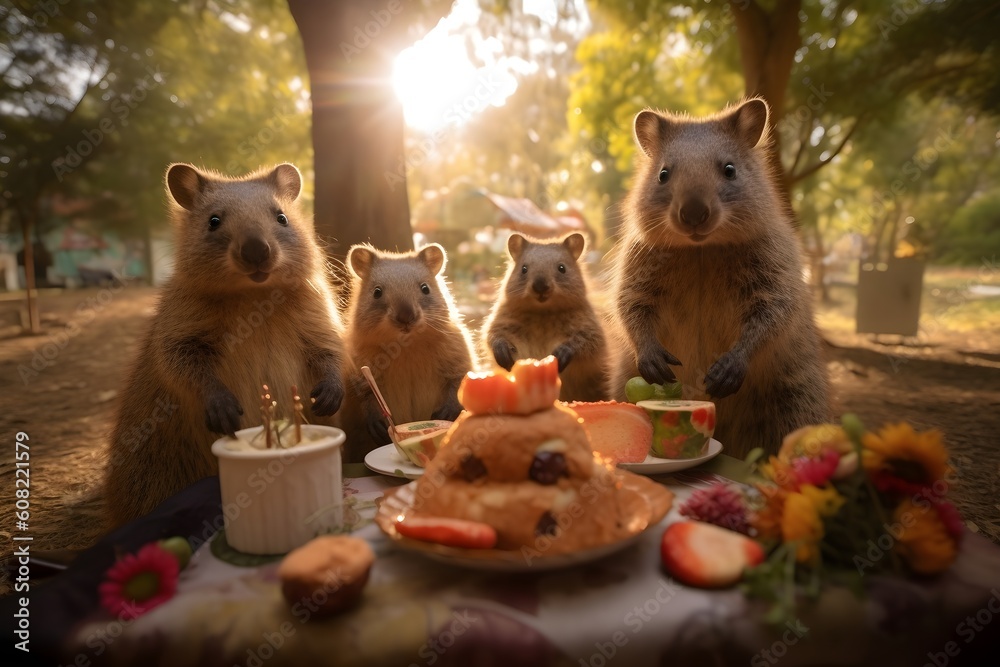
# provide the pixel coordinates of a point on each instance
(297, 413)
(266, 412)
(382, 405)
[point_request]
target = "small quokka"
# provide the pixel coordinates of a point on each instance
(543, 309)
(708, 279)
(248, 303)
(403, 324)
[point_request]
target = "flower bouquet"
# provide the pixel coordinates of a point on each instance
(840, 502)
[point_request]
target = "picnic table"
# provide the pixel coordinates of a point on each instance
(620, 610)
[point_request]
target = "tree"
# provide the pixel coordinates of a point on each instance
(357, 122)
(826, 68)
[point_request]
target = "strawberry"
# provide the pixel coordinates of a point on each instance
(707, 556)
(449, 532)
(530, 386)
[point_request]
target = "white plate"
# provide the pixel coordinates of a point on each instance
(387, 461)
(656, 466)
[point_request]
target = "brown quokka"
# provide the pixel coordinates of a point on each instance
(543, 309)
(708, 278)
(248, 303)
(403, 324)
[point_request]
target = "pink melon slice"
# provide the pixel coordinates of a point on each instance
(621, 432)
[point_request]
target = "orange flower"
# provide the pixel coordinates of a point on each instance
(767, 519)
(924, 541)
(780, 473)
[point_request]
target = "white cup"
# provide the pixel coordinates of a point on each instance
(275, 500)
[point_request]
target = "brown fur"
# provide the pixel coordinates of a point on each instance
(415, 344)
(218, 335)
(522, 325)
(719, 301)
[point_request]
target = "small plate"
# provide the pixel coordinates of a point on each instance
(387, 461)
(657, 466)
(647, 503)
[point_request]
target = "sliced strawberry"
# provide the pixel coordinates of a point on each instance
(530, 386)
(449, 532)
(619, 431)
(700, 554)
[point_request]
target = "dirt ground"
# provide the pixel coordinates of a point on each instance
(60, 388)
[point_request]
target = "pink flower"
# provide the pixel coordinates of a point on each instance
(816, 471)
(139, 582)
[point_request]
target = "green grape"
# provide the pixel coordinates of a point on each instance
(180, 548)
(637, 389)
(670, 391)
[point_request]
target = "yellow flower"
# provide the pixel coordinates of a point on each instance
(811, 441)
(898, 452)
(826, 500)
(923, 540)
(801, 523)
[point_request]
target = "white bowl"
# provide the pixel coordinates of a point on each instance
(275, 500)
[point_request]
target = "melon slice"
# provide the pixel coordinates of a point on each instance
(419, 441)
(621, 432)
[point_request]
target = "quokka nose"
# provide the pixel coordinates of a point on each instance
(255, 251)
(406, 315)
(541, 286)
(694, 213)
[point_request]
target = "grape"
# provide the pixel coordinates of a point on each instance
(667, 392)
(179, 548)
(548, 467)
(637, 389)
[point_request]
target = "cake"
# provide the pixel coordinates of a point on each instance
(529, 472)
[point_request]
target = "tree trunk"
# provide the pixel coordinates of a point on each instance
(357, 122)
(768, 42)
(27, 215)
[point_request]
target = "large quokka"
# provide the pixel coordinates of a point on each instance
(708, 278)
(543, 309)
(403, 324)
(248, 303)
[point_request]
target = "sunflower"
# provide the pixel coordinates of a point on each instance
(924, 540)
(900, 460)
(801, 523)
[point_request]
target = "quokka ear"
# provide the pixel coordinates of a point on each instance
(515, 246)
(650, 129)
(287, 180)
(360, 259)
(434, 256)
(186, 185)
(575, 243)
(749, 122)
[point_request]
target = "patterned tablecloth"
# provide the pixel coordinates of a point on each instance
(622, 610)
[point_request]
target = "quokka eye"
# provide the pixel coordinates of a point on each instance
(377, 293)
(425, 288)
(729, 171)
(214, 222)
(562, 268)
(524, 269)
(664, 175)
(282, 220)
